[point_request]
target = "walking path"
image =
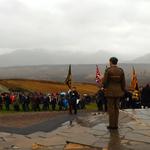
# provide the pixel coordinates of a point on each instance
(86, 129)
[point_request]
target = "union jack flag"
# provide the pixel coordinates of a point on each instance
(99, 76)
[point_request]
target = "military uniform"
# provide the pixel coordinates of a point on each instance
(114, 85)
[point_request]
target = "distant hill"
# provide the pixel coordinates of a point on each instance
(81, 73)
(143, 59)
(47, 86)
(32, 57)
(42, 57)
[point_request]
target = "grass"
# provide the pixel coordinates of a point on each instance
(21, 110)
(89, 107)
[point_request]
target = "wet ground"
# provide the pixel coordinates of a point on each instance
(47, 125)
(87, 130)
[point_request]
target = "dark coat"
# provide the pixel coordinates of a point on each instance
(7, 100)
(146, 94)
(73, 96)
(114, 82)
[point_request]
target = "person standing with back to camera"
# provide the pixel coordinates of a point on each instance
(114, 85)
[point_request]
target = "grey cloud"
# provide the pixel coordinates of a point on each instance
(83, 25)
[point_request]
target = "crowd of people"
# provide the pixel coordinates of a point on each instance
(131, 99)
(36, 101)
(71, 100)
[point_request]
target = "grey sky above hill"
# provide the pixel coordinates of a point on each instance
(120, 27)
(43, 57)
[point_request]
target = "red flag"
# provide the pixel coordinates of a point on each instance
(99, 76)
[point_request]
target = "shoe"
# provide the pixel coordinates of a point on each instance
(112, 128)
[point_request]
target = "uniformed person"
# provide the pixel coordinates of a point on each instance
(114, 84)
(73, 96)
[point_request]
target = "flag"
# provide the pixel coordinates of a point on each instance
(99, 76)
(69, 78)
(134, 81)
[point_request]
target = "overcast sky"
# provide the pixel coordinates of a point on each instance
(122, 26)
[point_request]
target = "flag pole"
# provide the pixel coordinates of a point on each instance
(68, 80)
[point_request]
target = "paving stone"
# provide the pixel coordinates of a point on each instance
(19, 141)
(133, 133)
(137, 137)
(4, 134)
(37, 134)
(85, 139)
(98, 132)
(101, 127)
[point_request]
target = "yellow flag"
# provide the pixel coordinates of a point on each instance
(134, 81)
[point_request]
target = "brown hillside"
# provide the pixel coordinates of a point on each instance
(47, 86)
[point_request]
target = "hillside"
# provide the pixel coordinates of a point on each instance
(47, 86)
(81, 73)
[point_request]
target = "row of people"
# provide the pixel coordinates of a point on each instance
(70, 100)
(39, 101)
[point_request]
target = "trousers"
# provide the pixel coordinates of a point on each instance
(113, 111)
